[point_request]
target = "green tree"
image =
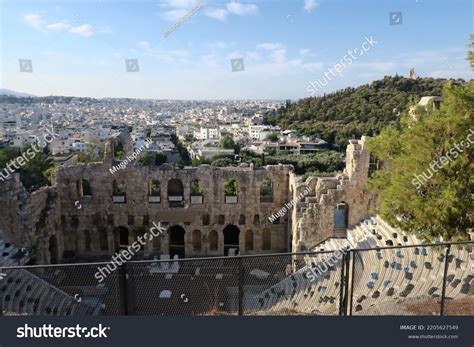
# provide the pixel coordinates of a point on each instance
(145, 159)
(227, 142)
(231, 187)
(425, 185)
(273, 137)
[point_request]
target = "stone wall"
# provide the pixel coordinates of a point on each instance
(314, 215)
(58, 221)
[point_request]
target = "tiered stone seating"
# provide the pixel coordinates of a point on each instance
(384, 275)
(23, 292)
(11, 255)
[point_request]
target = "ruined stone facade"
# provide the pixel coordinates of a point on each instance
(89, 212)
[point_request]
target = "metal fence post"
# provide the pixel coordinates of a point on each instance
(123, 289)
(443, 292)
(350, 281)
(241, 286)
(342, 306)
(346, 281)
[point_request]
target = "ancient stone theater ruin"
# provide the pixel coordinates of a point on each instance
(89, 212)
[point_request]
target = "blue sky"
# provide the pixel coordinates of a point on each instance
(79, 47)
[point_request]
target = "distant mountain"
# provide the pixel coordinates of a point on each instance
(13, 93)
(365, 110)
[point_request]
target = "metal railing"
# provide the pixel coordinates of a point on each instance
(427, 279)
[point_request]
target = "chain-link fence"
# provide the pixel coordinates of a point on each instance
(412, 280)
(401, 280)
(58, 290)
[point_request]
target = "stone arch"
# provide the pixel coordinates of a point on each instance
(175, 192)
(249, 240)
(266, 240)
(231, 238)
(197, 240)
(175, 187)
(176, 241)
(213, 241)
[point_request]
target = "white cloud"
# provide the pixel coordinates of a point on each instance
(279, 55)
(179, 3)
(85, 30)
(217, 13)
(241, 9)
(34, 20)
(174, 15)
(310, 5)
(57, 26)
(305, 52)
(270, 46)
(253, 55)
(232, 7)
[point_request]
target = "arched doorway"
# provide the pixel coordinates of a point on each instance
(176, 244)
(341, 216)
(53, 250)
(231, 239)
(121, 238)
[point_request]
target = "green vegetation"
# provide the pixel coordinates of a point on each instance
(442, 204)
(35, 172)
(155, 188)
(273, 137)
(266, 188)
(321, 162)
(231, 187)
(183, 152)
(227, 142)
(196, 188)
(94, 153)
(150, 158)
(353, 112)
(145, 159)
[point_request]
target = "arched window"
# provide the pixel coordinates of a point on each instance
(213, 241)
(197, 192)
(266, 191)
(119, 192)
(196, 240)
(266, 240)
(154, 188)
(175, 192)
(231, 190)
(249, 240)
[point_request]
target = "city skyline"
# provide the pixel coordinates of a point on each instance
(79, 49)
